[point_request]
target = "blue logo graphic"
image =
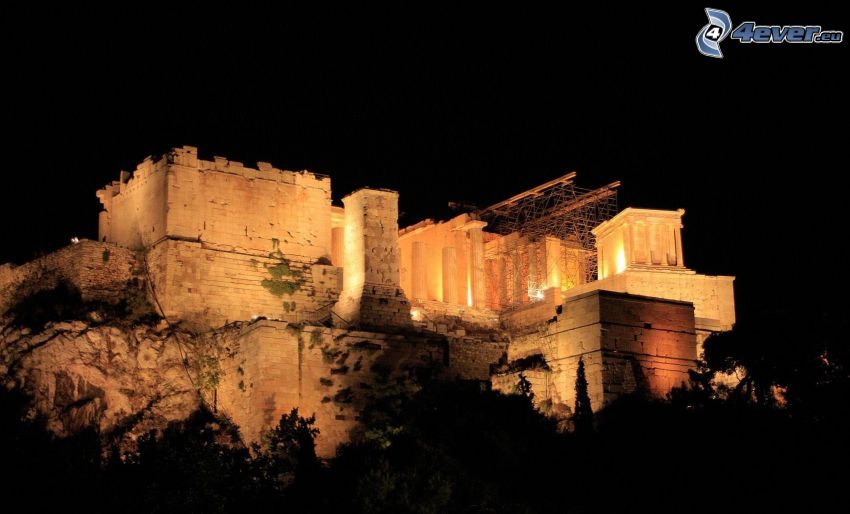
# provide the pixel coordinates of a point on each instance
(709, 38)
(719, 27)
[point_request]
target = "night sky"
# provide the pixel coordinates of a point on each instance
(448, 106)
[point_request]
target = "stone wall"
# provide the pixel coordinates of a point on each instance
(712, 296)
(203, 283)
(135, 208)
(100, 271)
(529, 316)
(445, 318)
(221, 202)
(329, 373)
(647, 343)
(540, 380)
(471, 359)
(626, 342)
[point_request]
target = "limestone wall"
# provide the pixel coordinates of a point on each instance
(646, 343)
(540, 380)
(712, 296)
(529, 316)
(471, 359)
(198, 282)
(625, 341)
(446, 318)
(220, 202)
(99, 270)
(225, 203)
(329, 373)
(135, 207)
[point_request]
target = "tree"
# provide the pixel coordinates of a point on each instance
(583, 416)
(523, 388)
(289, 449)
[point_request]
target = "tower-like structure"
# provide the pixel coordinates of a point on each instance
(371, 294)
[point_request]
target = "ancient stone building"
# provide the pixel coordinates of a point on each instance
(324, 296)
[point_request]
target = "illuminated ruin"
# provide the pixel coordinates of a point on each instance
(548, 276)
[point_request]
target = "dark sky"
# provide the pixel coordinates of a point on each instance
(444, 106)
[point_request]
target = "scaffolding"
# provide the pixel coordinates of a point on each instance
(558, 209)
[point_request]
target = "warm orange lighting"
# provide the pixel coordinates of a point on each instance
(621, 260)
(416, 314)
(468, 291)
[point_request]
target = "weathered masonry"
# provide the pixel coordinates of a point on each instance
(529, 285)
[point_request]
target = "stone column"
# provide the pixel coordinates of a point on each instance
(503, 280)
(680, 259)
(627, 243)
(639, 240)
(478, 278)
(553, 262)
(670, 243)
(532, 264)
(450, 275)
(417, 271)
(337, 246)
(652, 244)
(516, 257)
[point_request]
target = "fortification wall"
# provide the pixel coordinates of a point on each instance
(101, 271)
(647, 343)
(540, 380)
(199, 282)
(273, 367)
(225, 203)
(220, 202)
(135, 206)
(471, 359)
(627, 342)
(447, 318)
(712, 296)
(530, 316)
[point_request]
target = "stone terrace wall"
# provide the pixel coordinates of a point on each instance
(625, 341)
(647, 343)
(712, 296)
(99, 270)
(195, 281)
(529, 316)
(447, 318)
(470, 358)
(325, 372)
(540, 380)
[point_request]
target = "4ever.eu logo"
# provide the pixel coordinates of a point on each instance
(720, 26)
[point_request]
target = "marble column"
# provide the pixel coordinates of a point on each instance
(478, 278)
(450, 275)
(518, 293)
(680, 259)
(503, 280)
(417, 271)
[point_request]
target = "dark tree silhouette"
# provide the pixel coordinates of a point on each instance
(523, 387)
(583, 416)
(289, 449)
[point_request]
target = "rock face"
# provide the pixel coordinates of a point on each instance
(122, 382)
